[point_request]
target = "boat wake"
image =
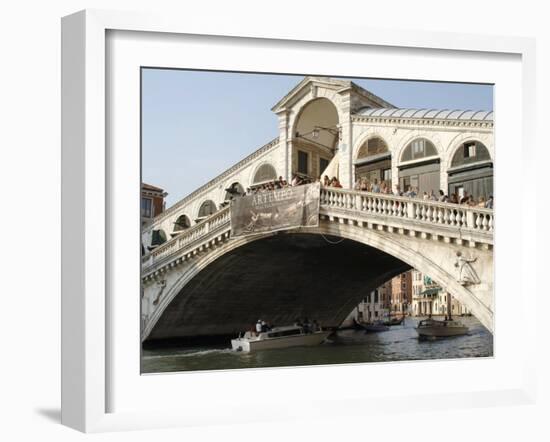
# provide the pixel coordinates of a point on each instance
(191, 354)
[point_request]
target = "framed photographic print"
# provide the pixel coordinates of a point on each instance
(263, 212)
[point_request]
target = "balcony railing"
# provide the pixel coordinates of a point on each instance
(431, 212)
(213, 224)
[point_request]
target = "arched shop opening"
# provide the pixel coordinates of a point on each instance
(266, 173)
(233, 191)
(158, 237)
(471, 171)
(182, 223)
(419, 167)
(206, 209)
(373, 161)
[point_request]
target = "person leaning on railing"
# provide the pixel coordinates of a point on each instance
(335, 183)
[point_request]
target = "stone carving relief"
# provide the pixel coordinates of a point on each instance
(466, 273)
(161, 285)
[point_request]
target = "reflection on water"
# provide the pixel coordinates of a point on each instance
(400, 343)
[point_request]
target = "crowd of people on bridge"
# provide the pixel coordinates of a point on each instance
(383, 187)
(280, 183)
(297, 180)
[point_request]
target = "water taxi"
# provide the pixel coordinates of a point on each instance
(431, 328)
(278, 337)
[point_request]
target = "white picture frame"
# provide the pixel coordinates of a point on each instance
(87, 356)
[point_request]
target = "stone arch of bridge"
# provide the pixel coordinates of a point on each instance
(368, 237)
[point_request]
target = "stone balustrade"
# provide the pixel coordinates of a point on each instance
(198, 193)
(445, 220)
(464, 218)
(214, 224)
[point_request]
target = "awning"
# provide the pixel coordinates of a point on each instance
(373, 158)
(332, 168)
(431, 291)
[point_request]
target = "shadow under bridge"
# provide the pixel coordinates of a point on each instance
(278, 279)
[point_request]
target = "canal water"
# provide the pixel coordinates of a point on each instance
(400, 343)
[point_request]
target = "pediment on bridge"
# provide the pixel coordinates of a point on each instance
(314, 86)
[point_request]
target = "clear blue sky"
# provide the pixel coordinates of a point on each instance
(197, 124)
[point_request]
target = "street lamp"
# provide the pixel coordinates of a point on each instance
(334, 131)
(316, 132)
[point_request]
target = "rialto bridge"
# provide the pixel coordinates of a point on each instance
(198, 280)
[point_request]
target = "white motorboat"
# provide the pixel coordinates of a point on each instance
(278, 337)
(431, 328)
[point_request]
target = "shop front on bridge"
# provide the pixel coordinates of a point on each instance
(471, 171)
(420, 167)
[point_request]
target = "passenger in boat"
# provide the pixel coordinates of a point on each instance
(306, 326)
(259, 326)
(264, 327)
(315, 326)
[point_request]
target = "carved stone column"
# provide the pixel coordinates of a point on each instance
(345, 145)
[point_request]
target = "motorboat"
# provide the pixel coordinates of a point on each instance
(279, 337)
(432, 328)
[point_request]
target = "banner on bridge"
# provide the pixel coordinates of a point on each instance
(280, 209)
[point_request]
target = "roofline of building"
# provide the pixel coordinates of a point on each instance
(345, 85)
(205, 187)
